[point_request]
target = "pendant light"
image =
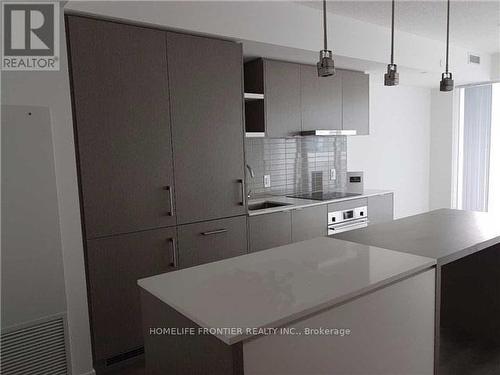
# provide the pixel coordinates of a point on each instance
(325, 65)
(447, 78)
(391, 78)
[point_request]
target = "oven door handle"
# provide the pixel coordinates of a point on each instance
(349, 223)
(353, 224)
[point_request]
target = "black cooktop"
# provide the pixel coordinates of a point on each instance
(323, 196)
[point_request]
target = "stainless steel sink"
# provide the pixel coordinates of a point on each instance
(265, 204)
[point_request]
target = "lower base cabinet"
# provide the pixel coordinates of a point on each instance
(210, 241)
(114, 265)
(309, 222)
(269, 230)
(381, 208)
(282, 228)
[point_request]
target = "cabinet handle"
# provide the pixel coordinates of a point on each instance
(217, 231)
(242, 183)
(174, 253)
(171, 199)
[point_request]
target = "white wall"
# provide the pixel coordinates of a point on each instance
(32, 269)
(395, 155)
(441, 149)
(495, 67)
(51, 89)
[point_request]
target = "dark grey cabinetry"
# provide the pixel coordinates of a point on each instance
(207, 127)
(347, 205)
(210, 241)
(321, 100)
(269, 230)
(282, 98)
(141, 96)
(309, 222)
(114, 265)
(381, 208)
(122, 126)
(355, 101)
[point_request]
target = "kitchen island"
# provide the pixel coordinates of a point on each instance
(321, 306)
(466, 247)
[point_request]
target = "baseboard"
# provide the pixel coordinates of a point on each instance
(91, 372)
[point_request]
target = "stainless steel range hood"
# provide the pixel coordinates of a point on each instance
(327, 132)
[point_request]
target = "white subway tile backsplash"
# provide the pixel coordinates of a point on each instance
(296, 165)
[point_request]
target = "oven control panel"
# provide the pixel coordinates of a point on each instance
(347, 215)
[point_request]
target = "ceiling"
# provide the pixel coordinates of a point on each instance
(474, 24)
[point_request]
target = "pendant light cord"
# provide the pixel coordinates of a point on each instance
(392, 34)
(447, 34)
(324, 26)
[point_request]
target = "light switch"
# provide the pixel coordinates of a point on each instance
(267, 180)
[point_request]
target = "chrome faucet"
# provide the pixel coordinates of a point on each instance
(252, 175)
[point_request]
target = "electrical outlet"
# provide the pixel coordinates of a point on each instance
(267, 180)
(333, 174)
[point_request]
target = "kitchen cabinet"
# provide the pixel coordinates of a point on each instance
(114, 265)
(282, 98)
(321, 100)
(122, 126)
(210, 241)
(205, 77)
(296, 99)
(355, 101)
(381, 208)
(269, 230)
(309, 222)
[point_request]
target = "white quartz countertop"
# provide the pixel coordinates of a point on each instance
(294, 203)
(445, 235)
(271, 288)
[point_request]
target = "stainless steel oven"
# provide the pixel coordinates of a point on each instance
(342, 221)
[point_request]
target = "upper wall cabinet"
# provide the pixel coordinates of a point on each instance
(296, 99)
(355, 101)
(207, 126)
(122, 125)
(321, 100)
(282, 98)
(278, 113)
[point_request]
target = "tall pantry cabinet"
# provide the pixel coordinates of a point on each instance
(159, 135)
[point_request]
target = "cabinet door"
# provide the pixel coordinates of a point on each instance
(381, 208)
(122, 126)
(309, 222)
(114, 264)
(347, 205)
(207, 127)
(269, 230)
(321, 99)
(355, 101)
(210, 241)
(282, 98)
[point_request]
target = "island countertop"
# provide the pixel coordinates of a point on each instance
(445, 234)
(273, 287)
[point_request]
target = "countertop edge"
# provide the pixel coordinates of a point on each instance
(231, 340)
(308, 202)
(462, 253)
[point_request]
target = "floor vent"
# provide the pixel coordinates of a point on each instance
(124, 356)
(35, 350)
